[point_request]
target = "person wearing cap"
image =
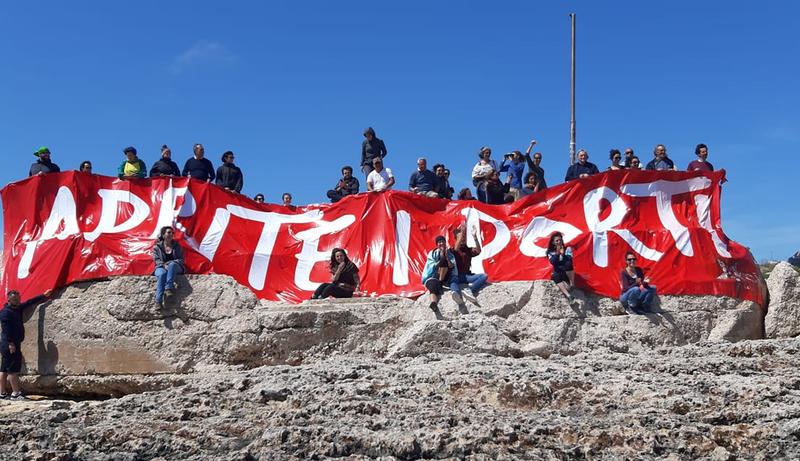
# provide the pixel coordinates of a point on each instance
(132, 166)
(199, 167)
(259, 198)
(11, 337)
(165, 166)
(440, 270)
(43, 164)
(229, 176)
(380, 178)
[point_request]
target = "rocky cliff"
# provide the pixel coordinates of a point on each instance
(523, 374)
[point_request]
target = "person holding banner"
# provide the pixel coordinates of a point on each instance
(440, 270)
(344, 278)
(560, 257)
(637, 293)
(168, 259)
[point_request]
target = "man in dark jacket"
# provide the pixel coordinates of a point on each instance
(199, 167)
(348, 185)
(423, 181)
(165, 166)
(582, 168)
(229, 176)
(660, 161)
(533, 165)
(371, 148)
(43, 164)
(13, 333)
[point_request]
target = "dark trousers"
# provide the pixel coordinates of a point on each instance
(328, 289)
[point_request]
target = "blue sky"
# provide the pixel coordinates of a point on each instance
(289, 86)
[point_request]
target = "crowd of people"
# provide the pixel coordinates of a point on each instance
(446, 267)
(486, 175)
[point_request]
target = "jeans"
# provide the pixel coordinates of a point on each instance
(636, 298)
(165, 278)
(475, 281)
(328, 289)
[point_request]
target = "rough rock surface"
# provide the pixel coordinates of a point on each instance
(522, 374)
(783, 318)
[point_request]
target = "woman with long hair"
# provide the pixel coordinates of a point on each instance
(344, 278)
(168, 259)
(560, 257)
(637, 293)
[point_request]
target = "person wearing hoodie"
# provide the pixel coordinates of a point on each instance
(132, 166)
(165, 166)
(371, 148)
(229, 176)
(43, 164)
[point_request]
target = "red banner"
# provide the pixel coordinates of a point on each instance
(66, 227)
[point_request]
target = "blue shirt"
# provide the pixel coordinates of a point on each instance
(516, 170)
(424, 181)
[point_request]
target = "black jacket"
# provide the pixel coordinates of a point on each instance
(164, 167)
(41, 166)
(577, 169)
(160, 255)
(539, 171)
(12, 324)
(201, 169)
(372, 149)
(651, 165)
(496, 192)
(230, 177)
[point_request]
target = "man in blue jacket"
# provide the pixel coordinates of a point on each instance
(13, 333)
(582, 168)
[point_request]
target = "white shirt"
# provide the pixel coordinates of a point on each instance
(481, 169)
(379, 180)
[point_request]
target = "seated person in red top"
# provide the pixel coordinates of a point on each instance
(560, 257)
(701, 164)
(637, 293)
(344, 278)
(464, 255)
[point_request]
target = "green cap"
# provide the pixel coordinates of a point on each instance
(41, 150)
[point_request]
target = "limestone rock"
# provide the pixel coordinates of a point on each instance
(783, 316)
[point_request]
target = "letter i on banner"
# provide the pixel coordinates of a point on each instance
(402, 229)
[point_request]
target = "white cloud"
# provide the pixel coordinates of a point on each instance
(201, 53)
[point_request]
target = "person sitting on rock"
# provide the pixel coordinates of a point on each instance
(380, 178)
(347, 185)
(464, 255)
(168, 259)
(497, 193)
(637, 293)
(560, 257)
(344, 278)
(440, 270)
(465, 194)
(11, 337)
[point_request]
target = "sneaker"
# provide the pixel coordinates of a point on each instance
(18, 396)
(3, 396)
(470, 296)
(462, 308)
(433, 306)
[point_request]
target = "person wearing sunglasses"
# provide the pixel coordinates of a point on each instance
(635, 163)
(616, 157)
(86, 167)
(229, 176)
(637, 293)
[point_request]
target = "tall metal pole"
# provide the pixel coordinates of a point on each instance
(572, 98)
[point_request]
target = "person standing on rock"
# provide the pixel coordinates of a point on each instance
(637, 293)
(168, 259)
(229, 176)
(373, 147)
(344, 278)
(13, 333)
(165, 166)
(440, 271)
(43, 164)
(560, 257)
